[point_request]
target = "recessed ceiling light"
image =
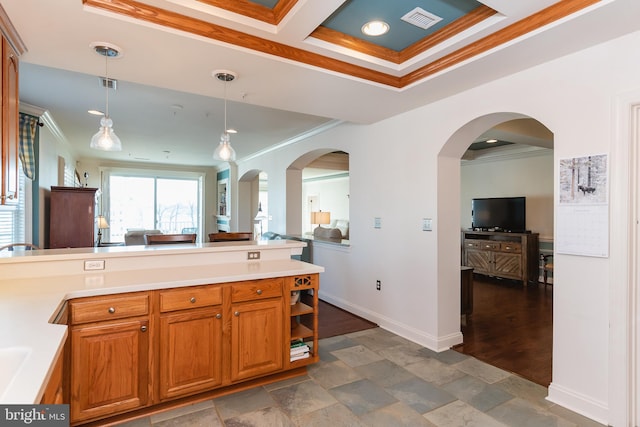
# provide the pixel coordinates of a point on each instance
(96, 112)
(491, 141)
(375, 28)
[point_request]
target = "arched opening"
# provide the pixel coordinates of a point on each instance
(511, 322)
(318, 182)
(253, 203)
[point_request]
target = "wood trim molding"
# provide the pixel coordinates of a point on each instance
(254, 10)
(459, 25)
(155, 15)
(544, 17)
(363, 46)
(10, 33)
(176, 21)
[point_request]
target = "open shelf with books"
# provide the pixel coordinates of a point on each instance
(303, 333)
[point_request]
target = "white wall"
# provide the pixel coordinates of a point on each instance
(530, 176)
(51, 148)
(420, 270)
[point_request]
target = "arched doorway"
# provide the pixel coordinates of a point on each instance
(519, 166)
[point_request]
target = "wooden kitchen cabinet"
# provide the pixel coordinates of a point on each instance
(132, 351)
(190, 340)
(110, 355)
(257, 328)
(10, 117)
(72, 217)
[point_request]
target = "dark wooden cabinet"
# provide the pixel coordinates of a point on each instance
(72, 217)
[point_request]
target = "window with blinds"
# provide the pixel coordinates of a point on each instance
(13, 218)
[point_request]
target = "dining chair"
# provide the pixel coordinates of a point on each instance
(547, 267)
(230, 236)
(164, 239)
(25, 246)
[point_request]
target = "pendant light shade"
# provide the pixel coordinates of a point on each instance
(224, 151)
(106, 139)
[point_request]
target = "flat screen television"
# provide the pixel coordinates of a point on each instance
(499, 214)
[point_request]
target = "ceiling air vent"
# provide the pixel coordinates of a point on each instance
(421, 18)
(108, 83)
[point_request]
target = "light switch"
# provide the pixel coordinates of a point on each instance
(426, 224)
(377, 222)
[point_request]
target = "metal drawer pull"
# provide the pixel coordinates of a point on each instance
(112, 310)
(237, 313)
(218, 316)
(143, 328)
(259, 291)
(193, 300)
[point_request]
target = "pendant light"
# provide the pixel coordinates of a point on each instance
(224, 151)
(106, 139)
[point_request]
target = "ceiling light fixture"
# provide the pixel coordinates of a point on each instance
(106, 139)
(224, 151)
(491, 141)
(375, 28)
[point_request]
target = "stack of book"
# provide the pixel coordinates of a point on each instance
(299, 350)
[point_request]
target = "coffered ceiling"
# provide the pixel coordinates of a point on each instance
(302, 64)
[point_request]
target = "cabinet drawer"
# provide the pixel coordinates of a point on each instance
(108, 308)
(488, 245)
(257, 289)
(511, 247)
(192, 297)
(472, 244)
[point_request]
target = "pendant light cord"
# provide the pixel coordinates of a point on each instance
(225, 106)
(106, 83)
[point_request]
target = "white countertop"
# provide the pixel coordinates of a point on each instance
(29, 301)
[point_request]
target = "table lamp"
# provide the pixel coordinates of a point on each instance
(102, 224)
(320, 218)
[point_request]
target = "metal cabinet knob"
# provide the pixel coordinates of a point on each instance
(193, 300)
(259, 291)
(112, 310)
(143, 328)
(237, 313)
(219, 316)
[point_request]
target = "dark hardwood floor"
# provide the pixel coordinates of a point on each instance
(334, 321)
(511, 327)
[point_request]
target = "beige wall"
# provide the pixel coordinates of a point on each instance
(531, 176)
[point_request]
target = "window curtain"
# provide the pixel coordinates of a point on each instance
(28, 127)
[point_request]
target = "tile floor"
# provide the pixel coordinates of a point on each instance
(375, 378)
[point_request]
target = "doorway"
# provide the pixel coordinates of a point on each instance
(512, 325)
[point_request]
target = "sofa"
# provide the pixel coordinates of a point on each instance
(136, 236)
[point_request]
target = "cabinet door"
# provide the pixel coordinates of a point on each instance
(10, 116)
(480, 260)
(190, 352)
(109, 368)
(257, 338)
(508, 265)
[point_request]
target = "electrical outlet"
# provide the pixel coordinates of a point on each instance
(378, 285)
(253, 255)
(377, 222)
(97, 264)
(426, 224)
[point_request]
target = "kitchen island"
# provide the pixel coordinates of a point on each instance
(48, 296)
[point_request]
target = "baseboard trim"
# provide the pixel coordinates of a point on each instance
(583, 405)
(405, 331)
